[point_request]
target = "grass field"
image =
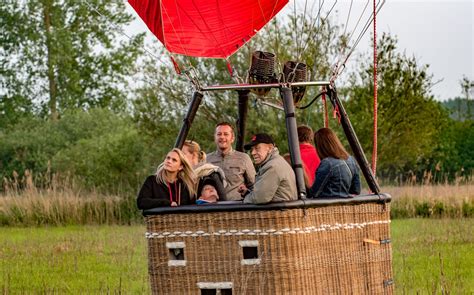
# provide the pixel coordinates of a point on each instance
(431, 256)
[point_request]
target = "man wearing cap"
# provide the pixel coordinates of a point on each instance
(275, 180)
(237, 166)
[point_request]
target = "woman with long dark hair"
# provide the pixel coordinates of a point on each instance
(337, 175)
(171, 185)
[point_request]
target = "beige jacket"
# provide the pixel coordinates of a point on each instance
(275, 181)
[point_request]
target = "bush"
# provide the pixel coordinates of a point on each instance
(113, 162)
(97, 148)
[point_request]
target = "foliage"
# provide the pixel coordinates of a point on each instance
(58, 55)
(98, 148)
(453, 155)
(409, 118)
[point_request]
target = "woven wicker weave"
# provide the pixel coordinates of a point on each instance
(318, 250)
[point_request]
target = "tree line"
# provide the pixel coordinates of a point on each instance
(80, 102)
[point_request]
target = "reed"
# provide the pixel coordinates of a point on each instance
(435, 200)
(65, 207)
(63, 201)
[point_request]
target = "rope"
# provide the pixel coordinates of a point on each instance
(325, 107)
(374, 152)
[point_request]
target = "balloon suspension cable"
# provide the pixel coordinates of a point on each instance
(233, 73)
(341, 65)
(192, 75)
(374, 151)
(344, 47)
(316, 32)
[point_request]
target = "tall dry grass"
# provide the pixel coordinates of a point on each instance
(62, 203)
(432, 200)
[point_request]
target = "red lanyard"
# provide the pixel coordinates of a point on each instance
(177, 191)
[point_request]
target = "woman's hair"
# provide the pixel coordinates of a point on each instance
(287, 157)
(328, 145)
(195, 149)
(186, 174)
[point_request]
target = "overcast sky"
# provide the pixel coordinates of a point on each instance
(438, 33)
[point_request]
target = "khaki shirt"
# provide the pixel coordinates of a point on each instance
(238, 169)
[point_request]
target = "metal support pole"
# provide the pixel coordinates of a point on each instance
(188, 119)
(293, 143)
(354, 142)
(241, 121)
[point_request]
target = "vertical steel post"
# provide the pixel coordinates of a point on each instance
(188, 119)
(242, 120)
(293, 143)
(354, 142)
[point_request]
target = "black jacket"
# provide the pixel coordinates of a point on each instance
(154, 194)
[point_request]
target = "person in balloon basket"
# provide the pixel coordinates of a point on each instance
(309, 156)
(207, 192)
(237, 166)
(337, 174)
(204, 172)
(275, 180)
(171, 185)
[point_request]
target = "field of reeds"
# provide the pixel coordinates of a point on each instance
(441, 200)
(64, 206)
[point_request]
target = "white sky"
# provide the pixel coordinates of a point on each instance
(438, 33)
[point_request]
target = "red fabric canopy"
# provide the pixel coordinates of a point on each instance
(206, 28)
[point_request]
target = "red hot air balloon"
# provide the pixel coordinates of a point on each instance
(206, 28)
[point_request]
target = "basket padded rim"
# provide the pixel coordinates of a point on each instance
(298, 204)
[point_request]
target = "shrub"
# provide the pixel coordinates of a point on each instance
(97, 148)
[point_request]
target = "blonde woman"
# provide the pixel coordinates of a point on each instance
(172, 185)
(206, 173)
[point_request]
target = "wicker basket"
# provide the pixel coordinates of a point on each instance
(312, 248)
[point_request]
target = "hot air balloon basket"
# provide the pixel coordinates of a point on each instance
(309, 247)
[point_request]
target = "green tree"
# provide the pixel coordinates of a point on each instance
(63, 54)
(453, 155)
(409, 118)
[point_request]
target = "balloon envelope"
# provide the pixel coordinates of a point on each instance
(206, 28)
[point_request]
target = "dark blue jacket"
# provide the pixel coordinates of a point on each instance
(336, 178)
